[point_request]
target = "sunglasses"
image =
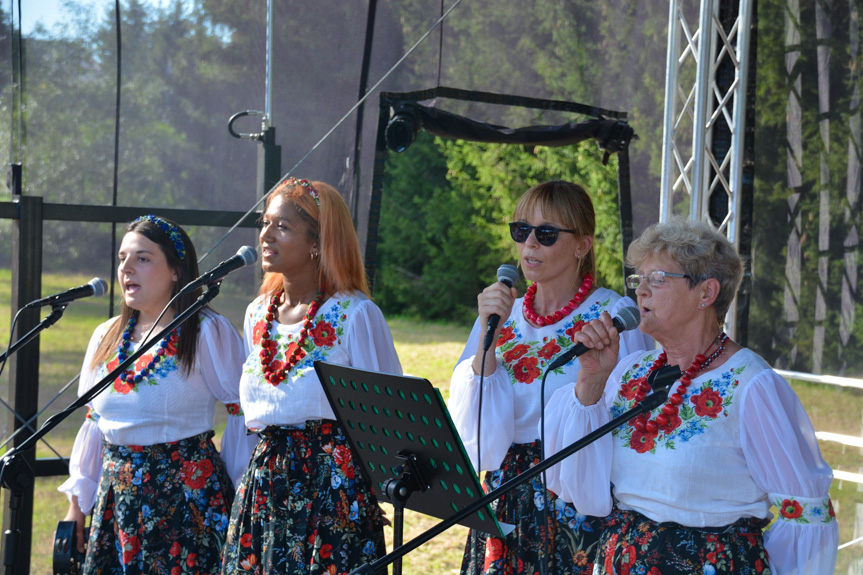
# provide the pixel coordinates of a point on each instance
(545, 234)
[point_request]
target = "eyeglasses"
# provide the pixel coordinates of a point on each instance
(545, 234)
(654, 279)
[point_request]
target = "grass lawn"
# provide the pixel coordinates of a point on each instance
(426, 350)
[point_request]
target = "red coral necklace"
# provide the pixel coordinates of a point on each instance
(536, 319)
(269, 347)
(642, 423)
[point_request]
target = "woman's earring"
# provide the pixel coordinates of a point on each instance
(702, 304)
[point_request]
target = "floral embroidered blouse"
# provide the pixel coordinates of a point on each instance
(349, 329)
(167, 406)
(511, 396)
(740, 443)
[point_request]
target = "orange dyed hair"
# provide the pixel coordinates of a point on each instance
(340, 264)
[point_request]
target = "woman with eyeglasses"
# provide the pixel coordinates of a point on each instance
(693, 480)
(553, 230)
(144, 459)
(302, 505)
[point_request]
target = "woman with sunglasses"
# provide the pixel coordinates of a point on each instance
(302, 506)
(144, 458)
(694, 479)
(553, 230)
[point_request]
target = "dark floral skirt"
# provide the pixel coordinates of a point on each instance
(302, 507)
(568, 542)
(161, 509)
(632, 543)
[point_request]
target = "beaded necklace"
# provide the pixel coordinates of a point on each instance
(129, 376)
(535, 318)
(269, 347)
(642, 423)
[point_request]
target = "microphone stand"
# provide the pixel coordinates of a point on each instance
(16, 474)
(661, 379)
(49, 320)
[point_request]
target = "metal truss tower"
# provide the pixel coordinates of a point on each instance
(707, 76)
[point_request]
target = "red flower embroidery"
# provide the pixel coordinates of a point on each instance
(233, 408)
(112, 365)
(549, 350)
(326, 551)
(143, 361)
(629, 388)
(175, 549)
(642, 441)
(342, 455)
(515, 353)
(176, 570)
(759, 566)
(525, 370)
(246, 540)
(576, 327)
(258, 331)
(323, 334)
(195, 474)
(790, 509)
(506, 334)
(121, 386)
(493, 551)
(171, 348)
(708, 403)
(674, 422)
(190, 560)
(130, 546)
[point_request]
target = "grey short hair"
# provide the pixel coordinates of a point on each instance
(700, 251)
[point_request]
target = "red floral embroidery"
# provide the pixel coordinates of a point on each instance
(642, 442)
(246, 540)
(708, 403)
(515, 353)
(143, 361)
(130, 546)
(326, 551)
(233, 408)
(195, 474)
(175, 549)
(506, 334)
(576, 327)
(493, 551)
(323, 334)
(629, 388)
(121, 386)
(191, 559)
(549, 350)
(525, 370)
(171, 348)
(790, 509)
(674, 422)
(257, 331)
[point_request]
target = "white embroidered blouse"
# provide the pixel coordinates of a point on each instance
(740, 443)
(511, 395)
(167, 406)
(348, 329)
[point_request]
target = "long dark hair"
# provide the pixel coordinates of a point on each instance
(186, 270)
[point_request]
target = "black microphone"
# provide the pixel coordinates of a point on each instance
(245, 256)
(95, 287)
(627, 318)
(507, 274)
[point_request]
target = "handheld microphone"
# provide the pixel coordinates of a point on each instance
(245, 256)
(627, 318)
(507, 274)
(95, 287)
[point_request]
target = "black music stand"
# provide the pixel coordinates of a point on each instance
(411, 455)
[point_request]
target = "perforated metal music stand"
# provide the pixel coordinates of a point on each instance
(402, 435)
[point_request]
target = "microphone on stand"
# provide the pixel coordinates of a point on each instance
(627, 318)
(245, 256)
(507, 274)
(96, 287)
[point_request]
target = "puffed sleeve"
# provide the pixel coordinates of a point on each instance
(85, 462)
(583, 478)
(783, 456)
(220, 358)
(370, 343)
(498, 407)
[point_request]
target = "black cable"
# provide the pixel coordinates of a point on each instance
(116, 156)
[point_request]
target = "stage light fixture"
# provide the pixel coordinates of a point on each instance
(402, 128)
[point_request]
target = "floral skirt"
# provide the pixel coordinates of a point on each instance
(632, 543)
(568, 542)
(302, 506)
(160, 509)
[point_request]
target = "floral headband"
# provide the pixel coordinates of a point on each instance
(170, 229)
(308, 185)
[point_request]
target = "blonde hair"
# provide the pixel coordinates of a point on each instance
(340, 263)
(700, 251)
(567, 203)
